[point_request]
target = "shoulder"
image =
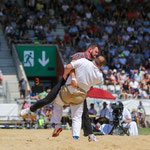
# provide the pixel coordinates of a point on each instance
(78, 55)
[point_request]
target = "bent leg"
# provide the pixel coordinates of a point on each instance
(49, 98)
(133, 128)
(76, 114)
(57, 114)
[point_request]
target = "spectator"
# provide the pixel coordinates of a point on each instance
(141, 115)
(104, 115)
(122, 77)
(125, 90)
(25, 105)
(134, 87)
(134, 116)
(22, 88)
(92, 110)
(127, 122)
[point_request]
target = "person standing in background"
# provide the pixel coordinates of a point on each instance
(22, 88)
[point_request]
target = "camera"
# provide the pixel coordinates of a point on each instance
(117, 111)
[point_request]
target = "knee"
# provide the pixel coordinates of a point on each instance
(132, 124)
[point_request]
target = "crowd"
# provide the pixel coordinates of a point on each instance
(121, 29)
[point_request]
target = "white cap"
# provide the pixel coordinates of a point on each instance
(115, 70)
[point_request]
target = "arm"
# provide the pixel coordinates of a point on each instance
(73, 77)
(67, 71)
(127, 121)
(127, 117)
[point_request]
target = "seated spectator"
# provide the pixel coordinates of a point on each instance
(122, 77)
(53, 22)
(143, 91)
(92, 110)
(141, 115)
(134, 87)
(49, 36)
(73, 30)
(25, 105)
(128, 123)
(114, 78)
(104, 115)
(125, 90)
(105, 124)
(8, 29)
(1, 78)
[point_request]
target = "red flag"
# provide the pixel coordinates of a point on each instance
(101, 94)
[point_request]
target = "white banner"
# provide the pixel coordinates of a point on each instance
(129, 104)
(9, 112)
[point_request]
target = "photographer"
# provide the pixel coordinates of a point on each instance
(128, 123)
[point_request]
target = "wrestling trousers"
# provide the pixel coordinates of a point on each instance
(76, 115)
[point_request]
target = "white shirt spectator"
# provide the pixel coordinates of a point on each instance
(8, 29)
(134, 84)
(88, 15)
(123, 77)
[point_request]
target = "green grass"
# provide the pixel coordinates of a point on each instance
(144, 131)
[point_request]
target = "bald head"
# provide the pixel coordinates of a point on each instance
(100, 61)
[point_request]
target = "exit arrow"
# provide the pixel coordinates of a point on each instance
(43, 62)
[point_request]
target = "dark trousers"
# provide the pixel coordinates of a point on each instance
(86, 123)
(49, 98)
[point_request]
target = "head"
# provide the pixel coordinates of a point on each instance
(123, 72)
(104, 104)
(92, 106)
(100, 61)
(140, 102)
(48, 90)
(92, 51)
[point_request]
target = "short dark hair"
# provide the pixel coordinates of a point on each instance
(100, 61)
(92, 46)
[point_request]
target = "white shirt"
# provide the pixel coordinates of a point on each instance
(105, 113)
(87, 74)
(134, 84)
(126, 115)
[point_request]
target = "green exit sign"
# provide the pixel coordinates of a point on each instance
(38, 61)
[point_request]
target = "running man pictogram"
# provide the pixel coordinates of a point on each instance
(28, 58)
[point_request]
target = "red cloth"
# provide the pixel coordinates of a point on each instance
(101, 94)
